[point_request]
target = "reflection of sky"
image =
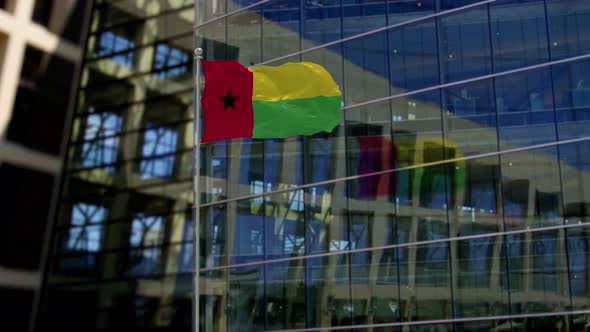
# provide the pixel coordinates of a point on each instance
(86, 230)
(158, 141)
(112, 43)
(165, 57)
(97, 150)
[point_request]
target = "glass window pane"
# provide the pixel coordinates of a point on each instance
(465, 45)
(572, 98)
(537, 272)
(519, 33)
(280, 28)
(479, 269)
(470, 118)
(401, 11)
(366, 69)
(578, 251)
(569, 28)
(531, 189)
(417, 126)
(524, 103)
(413, 56)
(575, 167)
(322, 22)
(244, 31)
(362, 16)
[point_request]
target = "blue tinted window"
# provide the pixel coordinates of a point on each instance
(362, 16)
(450, 4)
(572, 98)
(169, 61)
(185, 256)
(158, 152)
(100, 146)
(110, 43)
(569, 27)
(86, 233)
(84, 237)
(519, 34)
(414, 57)
(146, 234)
(577, 246)
(525, 108)
(323, 21)
(465, 45)
(470, 107)
(404, 10)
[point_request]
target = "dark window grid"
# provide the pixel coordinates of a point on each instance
(125, 105)
(98, 150)
(147, 235)
(170, 61)
(99, 153)
(109, 43)
(146, 229)
(185, 254)
(101, 84)
(142, 159)
(108, 192)
(158, 141)
(130, 249)
(128, 219)
(121, 133)
(474, 260)
(512, 255)
(92, 278)
(87, 236)
(122, 278)
(138, 21)
(137, 47)
(84, 240)
(172, 70)
(138, 305)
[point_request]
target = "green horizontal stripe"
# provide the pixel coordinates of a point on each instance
(291, 117)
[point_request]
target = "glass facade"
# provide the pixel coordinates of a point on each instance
(454, 195)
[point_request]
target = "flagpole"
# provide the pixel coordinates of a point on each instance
(196, 192)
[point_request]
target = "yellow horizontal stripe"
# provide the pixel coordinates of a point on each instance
(292, 81)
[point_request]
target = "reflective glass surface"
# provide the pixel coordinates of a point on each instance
(453, 196)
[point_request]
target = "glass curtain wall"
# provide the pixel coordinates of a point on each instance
(480, 109)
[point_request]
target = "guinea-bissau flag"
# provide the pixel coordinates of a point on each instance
(268, 101)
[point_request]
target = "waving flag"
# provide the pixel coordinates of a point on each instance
(268, 102)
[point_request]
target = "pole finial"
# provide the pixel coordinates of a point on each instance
(198, 53)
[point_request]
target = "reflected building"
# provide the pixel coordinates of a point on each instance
(478, 108)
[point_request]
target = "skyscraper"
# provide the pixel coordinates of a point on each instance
(452, 197)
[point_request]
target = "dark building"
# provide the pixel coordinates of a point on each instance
(480, 109)
(40, 53)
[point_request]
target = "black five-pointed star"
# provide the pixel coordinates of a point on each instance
(228, 101)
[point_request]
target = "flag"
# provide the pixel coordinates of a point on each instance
(268, 101)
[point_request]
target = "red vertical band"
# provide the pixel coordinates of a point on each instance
(227, 101)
